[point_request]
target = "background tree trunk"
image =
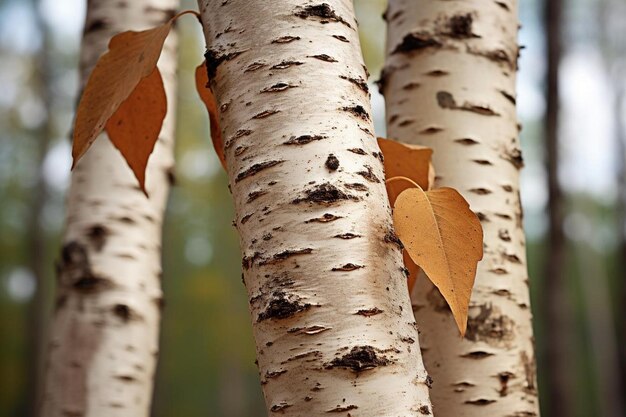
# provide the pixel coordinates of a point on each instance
(322, 266)
(449, 83)
(104, 333)
(37, 309)
(556, 297)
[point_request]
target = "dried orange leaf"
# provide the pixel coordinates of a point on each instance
(444, 237)
(135, 126)
(202, 85)
(411, 161)
(131, 57)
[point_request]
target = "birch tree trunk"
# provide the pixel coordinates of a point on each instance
(449, 83)
(104, 333)
(322, 266)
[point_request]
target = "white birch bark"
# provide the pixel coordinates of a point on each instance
(104, 333)
(449, 83)
(332, 321)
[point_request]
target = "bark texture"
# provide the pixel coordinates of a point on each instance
(104, 333)
(332, 322)
(449, 83)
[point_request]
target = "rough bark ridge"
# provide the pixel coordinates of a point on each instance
(332, 322)
(104, 332)
(449, 82)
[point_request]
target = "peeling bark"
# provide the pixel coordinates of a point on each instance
(449, 83)
(331, 319)
(103, 341)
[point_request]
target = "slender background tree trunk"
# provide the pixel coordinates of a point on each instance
(449, 83)
(37, 309)
(322, 266)
(556, 295)
(104, 333)
(620, 137)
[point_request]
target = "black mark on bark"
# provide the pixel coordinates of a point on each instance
(357, 186)
(416, 41)
(286, 254)
(215, 58)
(369, 312)
(75, 271)
(342, 409)
(347, 267)
(96, 24)
(276, 88)
(466, 141)
(359, 359)
(323, 57)
(286, 64)
(369, 174)
(460, 26)
(286, 39)
(346, 236)
(391, 237)
(478, 354)
(358, 81)
(304, 139)
(254, 66)
(324, 194)
(446, 101)
(97, 235)
(514, 156)
(504, 381)
(237, 135)
(279, 407)
(322, 11)
(326, 218)
(358, 110)
(480, 401)
(490, 326)
(341, 38)
(256, 168)
(265, 113)
(332, 163)
(254, 195)
(282, 306)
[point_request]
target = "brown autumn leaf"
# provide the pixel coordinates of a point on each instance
(404, 166)
(202, 85)
(135, 126)
(131, 58)
(411, 161)
(444, 237)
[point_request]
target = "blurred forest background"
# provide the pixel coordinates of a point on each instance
(576, 232)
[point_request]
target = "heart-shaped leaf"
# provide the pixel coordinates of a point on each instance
(135, 126)
(444, 237)
(126, 72)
